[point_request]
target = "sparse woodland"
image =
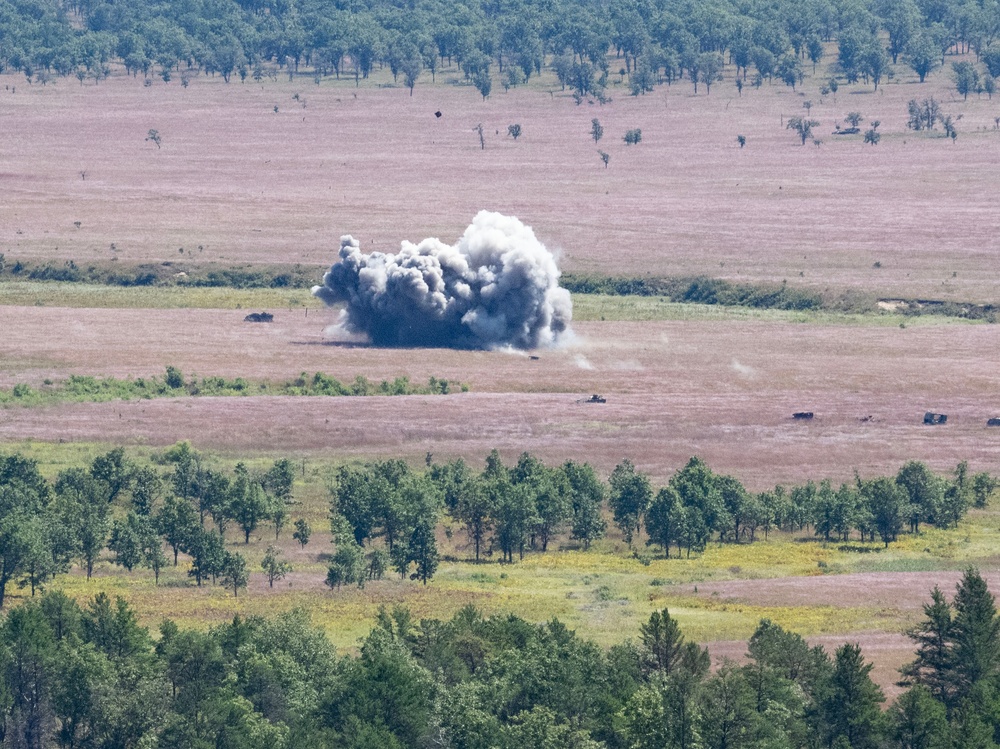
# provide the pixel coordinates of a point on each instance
(385, 516)
(88, 674)
(649, 43)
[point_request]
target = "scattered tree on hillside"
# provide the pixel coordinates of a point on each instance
(587, 495)
(802, 126)
(596, 130)
(922, 55)
(347, 566)
(411, 68)
(948, 123)
(303, 531)
(983, 486)
(274, 566)
(710, 66)
(790, 70)
(234, 572)
(249, 504)
(966, 78)
(923, 115)
(630, 496)
(872, 134)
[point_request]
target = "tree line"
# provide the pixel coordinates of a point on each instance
(386, 516)
(383, 514)
(511, 41)
(90, 675)
(139, 515)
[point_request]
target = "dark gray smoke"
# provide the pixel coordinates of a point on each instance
(498, 286)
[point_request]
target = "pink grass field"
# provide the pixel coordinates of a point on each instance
(236, 181)
(724, 390)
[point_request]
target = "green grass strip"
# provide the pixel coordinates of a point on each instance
(79, 388)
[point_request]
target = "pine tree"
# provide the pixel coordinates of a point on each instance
(729, 718)
(852, 707)
(975, 634)
(919, 721)
(662, 642)
(933, 666)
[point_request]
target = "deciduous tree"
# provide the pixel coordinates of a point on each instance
(630, 496)
(587, 495)
(274, 565)
(235, 574)
(966, 77)
(303, 531)
(802, 126)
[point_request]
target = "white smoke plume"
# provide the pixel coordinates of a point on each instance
(497, 286)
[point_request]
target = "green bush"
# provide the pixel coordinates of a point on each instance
(174, 379)
(22, 390)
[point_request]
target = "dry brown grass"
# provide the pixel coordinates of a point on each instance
(235, 181)
(908, 591)
(724, 390)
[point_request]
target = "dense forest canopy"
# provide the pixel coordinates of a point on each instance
(89, 675)
(653, 41)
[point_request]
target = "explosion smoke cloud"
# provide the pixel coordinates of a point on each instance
(497, 286)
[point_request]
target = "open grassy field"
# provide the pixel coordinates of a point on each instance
(236, 180)
(717, 386)
(276, 172)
